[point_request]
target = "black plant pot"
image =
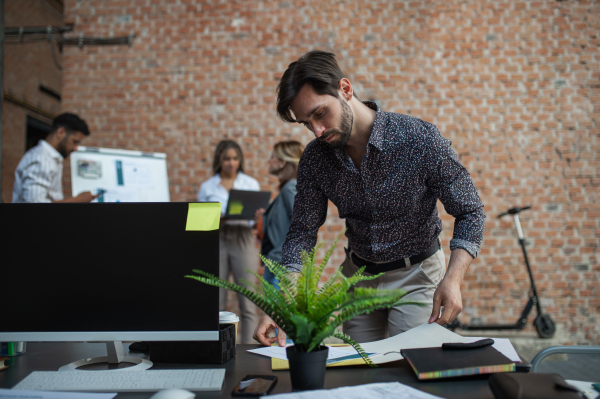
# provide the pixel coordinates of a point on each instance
(307, 369)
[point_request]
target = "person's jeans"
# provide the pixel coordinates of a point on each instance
(270, 278)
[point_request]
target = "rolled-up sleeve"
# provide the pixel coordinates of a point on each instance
(453, 185)
(310, 211)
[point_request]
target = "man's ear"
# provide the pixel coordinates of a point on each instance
(60, 133)
(346, 90)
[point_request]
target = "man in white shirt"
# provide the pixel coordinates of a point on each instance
(38, 177)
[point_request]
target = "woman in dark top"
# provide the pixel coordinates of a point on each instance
(277, 218)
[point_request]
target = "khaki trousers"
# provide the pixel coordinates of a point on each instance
(419, 281)
(237, 254)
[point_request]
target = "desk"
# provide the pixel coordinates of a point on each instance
(51, 356)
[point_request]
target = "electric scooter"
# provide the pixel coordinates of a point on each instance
(543, 323)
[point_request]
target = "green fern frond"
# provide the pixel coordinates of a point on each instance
(282, 274)
(272, 308)
(327, 256)
(346, 338)
(329, 282)
(306, 313)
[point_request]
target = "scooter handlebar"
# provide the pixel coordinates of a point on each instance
(514, 211)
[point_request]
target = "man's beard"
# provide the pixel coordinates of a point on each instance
(345, 129)
(62, 147)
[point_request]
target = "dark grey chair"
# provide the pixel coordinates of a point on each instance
(581, 363)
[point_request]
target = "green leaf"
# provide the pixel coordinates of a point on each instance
(306, 313)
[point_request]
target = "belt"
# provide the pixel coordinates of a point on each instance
(376, 268)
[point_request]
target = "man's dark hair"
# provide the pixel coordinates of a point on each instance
(223, 146)
(71, 123)
(317, 68)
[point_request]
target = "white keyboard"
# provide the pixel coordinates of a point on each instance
(122, 381)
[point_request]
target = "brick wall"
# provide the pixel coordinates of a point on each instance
(26, 67)
(514, 84)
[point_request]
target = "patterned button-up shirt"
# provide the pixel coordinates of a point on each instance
(390, 202)
(38, 177)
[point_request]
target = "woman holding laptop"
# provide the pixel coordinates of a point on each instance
(237, 252)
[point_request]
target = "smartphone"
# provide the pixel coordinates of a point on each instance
(255, 385)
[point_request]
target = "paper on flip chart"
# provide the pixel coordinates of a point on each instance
(22, 394)
(387, 390)
(279, 352)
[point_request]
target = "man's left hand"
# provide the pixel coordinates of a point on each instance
(447, 295)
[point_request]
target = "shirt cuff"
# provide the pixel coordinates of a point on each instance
(294, 267)
(472, 249)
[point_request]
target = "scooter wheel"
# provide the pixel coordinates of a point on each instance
(544, 326)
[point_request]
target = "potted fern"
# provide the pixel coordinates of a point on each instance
(309, 313)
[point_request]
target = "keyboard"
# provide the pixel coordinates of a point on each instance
(123, 381)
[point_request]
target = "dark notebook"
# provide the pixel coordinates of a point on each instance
(431, 363)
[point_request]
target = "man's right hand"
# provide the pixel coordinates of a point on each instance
(265, 327)
(85, 196)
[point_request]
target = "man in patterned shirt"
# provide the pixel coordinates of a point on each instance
(38, 177)
(385, 173)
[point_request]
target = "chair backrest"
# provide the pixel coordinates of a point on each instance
(583, 366)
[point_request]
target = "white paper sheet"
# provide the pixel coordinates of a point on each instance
(585, 387)
(19, 394)
(502, 345)
(387, 390)
(425, 336)
(279, 352)
(135, 175)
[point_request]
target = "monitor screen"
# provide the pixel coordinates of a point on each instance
(106, 272)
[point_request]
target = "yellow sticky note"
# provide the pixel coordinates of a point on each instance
(203, 217)
(236, 208)
(280, 364)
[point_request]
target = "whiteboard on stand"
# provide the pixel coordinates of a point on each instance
(120, 175)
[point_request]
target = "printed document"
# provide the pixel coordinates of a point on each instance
(386, 390)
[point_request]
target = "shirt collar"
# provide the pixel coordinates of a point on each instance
(377, 133)
(51, 150)
(376, 138)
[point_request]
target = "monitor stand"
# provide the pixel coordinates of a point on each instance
(116, 354)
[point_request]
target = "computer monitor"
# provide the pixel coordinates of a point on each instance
(106, 272)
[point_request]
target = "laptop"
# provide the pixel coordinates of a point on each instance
(243, 204)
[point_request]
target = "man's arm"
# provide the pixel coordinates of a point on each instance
(310, 211)
(453, 185)
(85, 196)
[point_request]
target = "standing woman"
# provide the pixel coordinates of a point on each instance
(237, 253)
(278, 216)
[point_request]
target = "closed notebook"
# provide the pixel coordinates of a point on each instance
(431, 363)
